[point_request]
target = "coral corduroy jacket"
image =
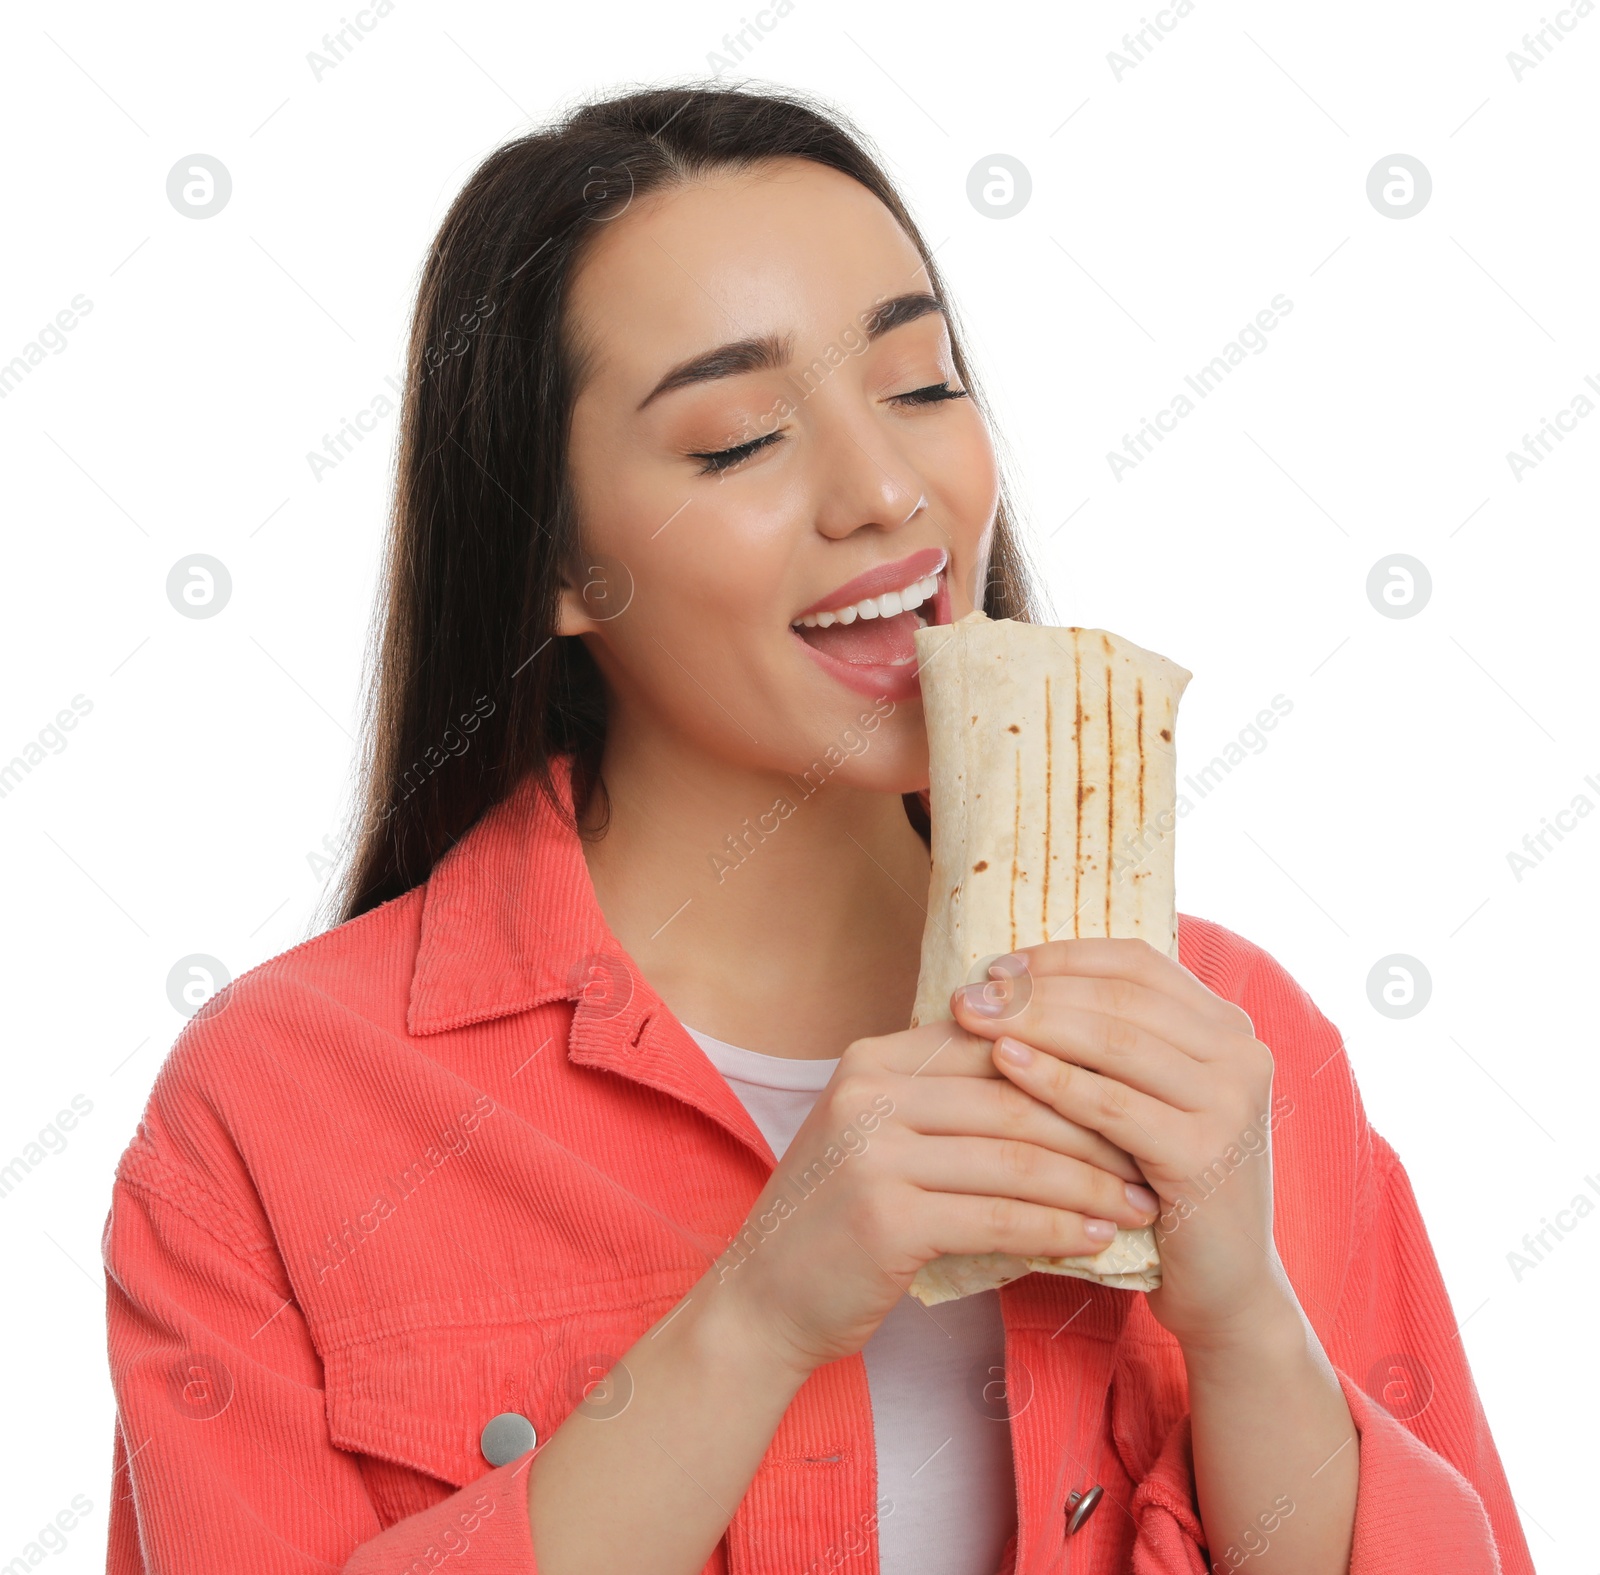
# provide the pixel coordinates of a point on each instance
(451, 1159)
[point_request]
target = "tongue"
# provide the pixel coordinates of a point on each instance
(878, 642)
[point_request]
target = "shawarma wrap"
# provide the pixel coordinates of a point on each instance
(1053, 800)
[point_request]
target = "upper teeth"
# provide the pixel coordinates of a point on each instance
(884, 606)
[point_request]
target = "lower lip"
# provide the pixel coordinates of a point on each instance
(877, 681)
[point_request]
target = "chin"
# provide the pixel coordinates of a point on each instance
(880, 746)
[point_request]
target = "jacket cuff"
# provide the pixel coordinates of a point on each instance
(481, 1529)
(1415, 1513)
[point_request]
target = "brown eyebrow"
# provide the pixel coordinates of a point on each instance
(770, 351)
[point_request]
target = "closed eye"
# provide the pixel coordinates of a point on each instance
(932, 394)
(716, 461)
(713, 464)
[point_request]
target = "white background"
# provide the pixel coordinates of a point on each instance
(1167, 209)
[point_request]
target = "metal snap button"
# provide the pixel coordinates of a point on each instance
(1080, 1506)
(506, 1436)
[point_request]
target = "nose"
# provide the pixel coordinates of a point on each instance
(862, 479)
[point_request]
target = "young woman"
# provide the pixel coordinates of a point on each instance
(554, 1211)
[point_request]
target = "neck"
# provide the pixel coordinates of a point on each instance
(781, 914)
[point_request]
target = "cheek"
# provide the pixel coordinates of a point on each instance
(962, 480)
(695, 631)
(968, 476)
(710, 562)
(693, 547)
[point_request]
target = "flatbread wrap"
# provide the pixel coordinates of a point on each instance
(1053, 802)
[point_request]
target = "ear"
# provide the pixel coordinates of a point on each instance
(595, 588)
(572, 612)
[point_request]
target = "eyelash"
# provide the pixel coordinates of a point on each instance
(724, 460)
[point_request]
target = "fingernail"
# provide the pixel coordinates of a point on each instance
(1012, 1050)
(1099, 1230)
(1012, 964)
(1142, 1198)
(987, 1000)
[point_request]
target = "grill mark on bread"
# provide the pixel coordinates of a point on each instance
(1016, 843)
(1049, 771)
(1077, 739)
(1111, 791)
(1138, 689)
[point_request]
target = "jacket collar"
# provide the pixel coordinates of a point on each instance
(510, 921)
(509, 917)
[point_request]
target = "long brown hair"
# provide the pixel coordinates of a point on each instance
(468, 687)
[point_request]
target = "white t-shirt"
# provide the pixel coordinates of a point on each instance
(935, 1375)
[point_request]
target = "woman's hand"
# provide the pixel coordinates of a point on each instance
(1120, 1039)
(916, 1147)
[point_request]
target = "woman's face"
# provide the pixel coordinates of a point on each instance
(770, 427)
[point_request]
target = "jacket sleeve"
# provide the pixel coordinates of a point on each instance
(222, 1458)
(1433, 1493)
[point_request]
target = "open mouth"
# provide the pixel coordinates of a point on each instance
(868, 644)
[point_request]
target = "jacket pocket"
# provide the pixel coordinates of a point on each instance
(415, 1386)
(418, 1392)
